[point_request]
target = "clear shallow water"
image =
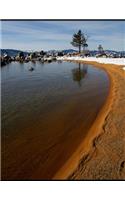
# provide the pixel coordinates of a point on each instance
(46, 113)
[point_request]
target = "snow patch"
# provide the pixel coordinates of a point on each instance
(115, 61)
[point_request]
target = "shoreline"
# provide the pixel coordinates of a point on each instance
(98, 156)
(59, 128)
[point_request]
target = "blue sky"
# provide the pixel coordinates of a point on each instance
(47, 35)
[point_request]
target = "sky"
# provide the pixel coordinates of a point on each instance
(49, 35)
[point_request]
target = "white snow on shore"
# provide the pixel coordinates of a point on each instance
(116, 61)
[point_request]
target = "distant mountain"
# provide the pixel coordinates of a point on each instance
(14, 52)
(94, 52)
(64, 51)
(11, 52)
(69, 51)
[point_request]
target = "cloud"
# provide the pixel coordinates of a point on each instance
(58, 34)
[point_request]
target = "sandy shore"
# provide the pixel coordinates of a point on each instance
(101, 156)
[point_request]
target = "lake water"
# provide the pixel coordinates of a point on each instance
(46, 113)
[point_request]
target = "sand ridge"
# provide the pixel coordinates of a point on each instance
(101, 156)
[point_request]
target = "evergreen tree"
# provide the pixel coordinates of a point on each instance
(21, 54)
(79, 40)
(100, 49)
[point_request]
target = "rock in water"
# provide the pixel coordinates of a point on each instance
(31, 69)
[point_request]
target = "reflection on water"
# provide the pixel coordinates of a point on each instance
(79, 73)
(46, 115)
(59, 61)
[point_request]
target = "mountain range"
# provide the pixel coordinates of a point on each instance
(14, 52)
(11, 52)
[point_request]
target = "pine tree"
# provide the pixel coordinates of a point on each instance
(79, 40)
(100, 49)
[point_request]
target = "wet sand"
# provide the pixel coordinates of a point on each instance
(101, 156)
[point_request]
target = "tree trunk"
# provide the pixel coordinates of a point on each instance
(83, 51)
(79, 67)
(79, 48)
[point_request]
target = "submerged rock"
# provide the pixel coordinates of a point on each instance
(31, 69)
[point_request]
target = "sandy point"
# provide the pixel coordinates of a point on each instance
(101, 156)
